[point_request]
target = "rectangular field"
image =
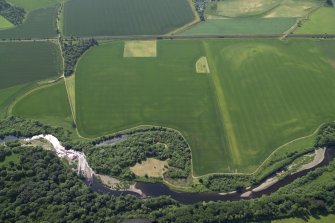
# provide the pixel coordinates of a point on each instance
(23, 62)
(126, 17)
(259, 95)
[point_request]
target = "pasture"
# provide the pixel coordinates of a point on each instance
(322, 21)
(39, 23)
(240, 26)
(233, 118)
(126, 17)
(4, 23)
(49, 104)
(262, 8)
(28, 62)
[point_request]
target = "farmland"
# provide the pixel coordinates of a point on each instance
(241, 26)
(4, 23)
(28, 62)
(37, 105)
(322, 21)
(262, 8)
(34, 4)
(40, 23)
(216, 112)
(127, 17)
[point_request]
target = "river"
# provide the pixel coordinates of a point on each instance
(159, 189)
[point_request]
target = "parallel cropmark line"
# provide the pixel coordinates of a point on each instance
(224, 112)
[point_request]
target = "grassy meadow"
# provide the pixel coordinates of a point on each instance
(241, 26)
(39, 23)
(28, 62)
(253, 101)
(262, 8)
(4, 23)
(322, 21)
(48, 104)
(126, 17)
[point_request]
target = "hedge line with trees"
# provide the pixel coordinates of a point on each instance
(12, 13)
(326, 136)
(72, 50)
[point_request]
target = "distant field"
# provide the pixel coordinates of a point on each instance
(30, 5)
(126, 17)
(242, 26)
(216, 112)
(49, 105)
(28, 62)
(40, 23)
(4, 23)
(262, 8)
(322, 21)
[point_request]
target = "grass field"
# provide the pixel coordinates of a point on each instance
(48, 104)
(126, 17)
(322, 21)
(40, 23)
(320, 219)
(233, 118)
(241, 26)
(28, 62)
(262, 8)
(4, 23)
(30, 5)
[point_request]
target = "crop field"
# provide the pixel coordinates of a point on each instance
(28, 62)
(37, 105)
(241, 26)
(262, 8)
(233, 118)
(40, 23)
(4, 23)
(322, 21)
(126, 17)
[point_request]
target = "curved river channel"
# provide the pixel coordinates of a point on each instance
(159, 189)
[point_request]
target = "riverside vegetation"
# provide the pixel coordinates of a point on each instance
(36, 186)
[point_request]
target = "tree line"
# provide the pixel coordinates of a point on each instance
(72, 50)
(13, 14)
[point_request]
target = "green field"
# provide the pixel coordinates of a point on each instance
(253, 101)
(126, 17)
(4, 23)
(241, 26)
(28, 62)
(48, 104)
(322, 21)
(262, 8)
(40, 23)
(30, 5)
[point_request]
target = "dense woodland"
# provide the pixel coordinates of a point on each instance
(140, 144)
(326, 136)
(12, 13)
(72, 50)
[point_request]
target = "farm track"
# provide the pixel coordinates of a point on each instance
(181, 37)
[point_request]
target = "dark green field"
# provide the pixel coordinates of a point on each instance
(259, 95)
(40, 23)
(28, 62)
(126, 17)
